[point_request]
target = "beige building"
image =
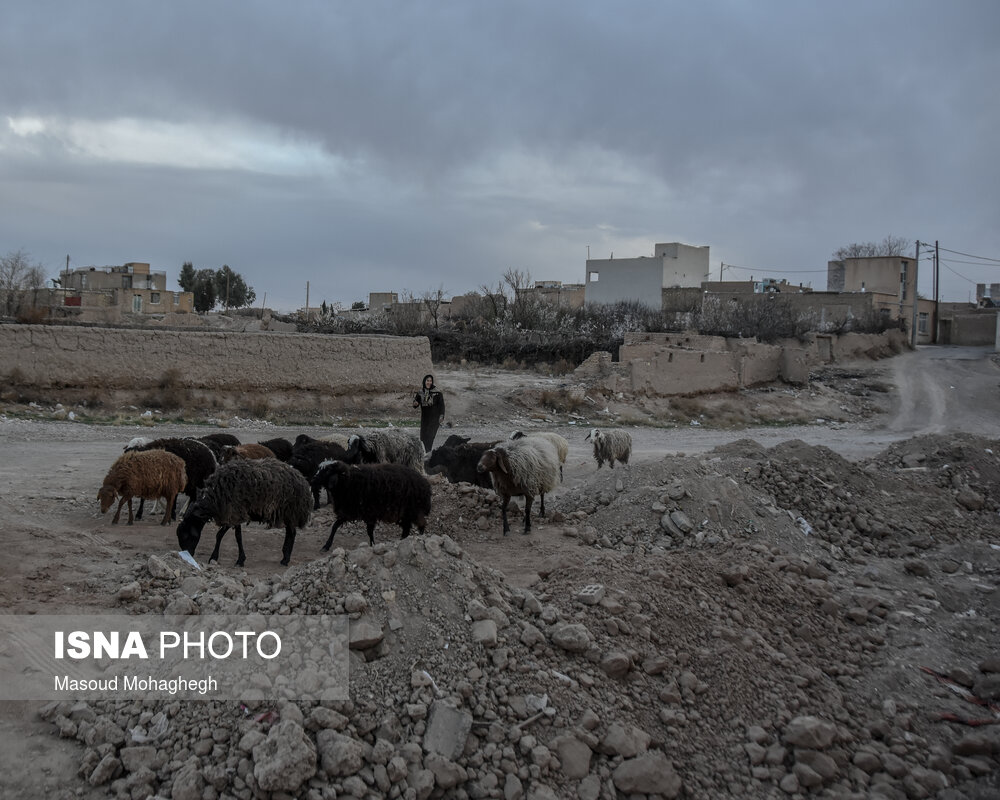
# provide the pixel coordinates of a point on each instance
(132, 287)
(563, 295)
(643, 279)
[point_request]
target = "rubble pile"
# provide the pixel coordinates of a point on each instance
(688, 637)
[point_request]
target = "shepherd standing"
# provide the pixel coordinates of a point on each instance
(431, 403)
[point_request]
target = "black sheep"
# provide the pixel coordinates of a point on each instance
(248, 490)
(199, 463)
(458, 462)
(375, 493)
(307, 457)
(282, 448)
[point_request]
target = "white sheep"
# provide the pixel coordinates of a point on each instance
(389, 446)
(610, 446)
(523, 468)
(560, 444)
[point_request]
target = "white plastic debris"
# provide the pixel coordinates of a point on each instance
(804, 525)
(186, 556)
(534, 703)
(159, 726)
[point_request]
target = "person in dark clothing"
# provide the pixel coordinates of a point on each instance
(431, 403)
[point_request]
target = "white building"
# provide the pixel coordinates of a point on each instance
(643, 279)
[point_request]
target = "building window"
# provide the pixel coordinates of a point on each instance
(177, 298)
(922, 322)
(126, 281)
(594, 277)
(154, 299)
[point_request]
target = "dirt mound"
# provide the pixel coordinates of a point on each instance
(653, 679)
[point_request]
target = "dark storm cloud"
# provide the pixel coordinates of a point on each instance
(464, 138)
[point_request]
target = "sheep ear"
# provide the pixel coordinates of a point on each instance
(502, 461)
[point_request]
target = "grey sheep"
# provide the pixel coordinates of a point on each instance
(559, 442)
(151, 474)
(611, 446)
(390, 446)
(523, 468)
(249, 490)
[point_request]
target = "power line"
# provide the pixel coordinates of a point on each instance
(974, 263)
(960, 275)
(969, 255)
(774, 271)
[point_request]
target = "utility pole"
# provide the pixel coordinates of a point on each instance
(936, 254)
(721, 266)
(307, 299)
(916, 263)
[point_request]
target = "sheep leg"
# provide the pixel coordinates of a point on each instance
(241, 559)
(405, 525)
(528, 499)
(541, 511)
(286, 548)
(503, 514)
(142, 505)
(170, 502)
(371, 532)
(337, 523)
(118, 511)
(316, 490)
(218, 542)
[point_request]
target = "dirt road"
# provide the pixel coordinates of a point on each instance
(63, 556)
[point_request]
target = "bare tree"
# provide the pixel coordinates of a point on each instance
(432, 300)
(18, 274)
(495, 302)
(889, 246)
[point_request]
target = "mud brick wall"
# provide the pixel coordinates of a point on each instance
(56, 356)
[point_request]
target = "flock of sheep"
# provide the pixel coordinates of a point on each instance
(375, 476)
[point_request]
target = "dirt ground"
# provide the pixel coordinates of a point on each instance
(855, 523)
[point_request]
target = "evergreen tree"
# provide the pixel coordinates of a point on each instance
(187, 277)
(204, 290)
(232, 289)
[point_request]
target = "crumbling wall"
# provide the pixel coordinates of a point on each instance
(64, 356)
(673, 371)
(681, 363)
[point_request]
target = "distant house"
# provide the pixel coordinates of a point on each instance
(643, 279)
(891, 281)
(132, 287)
(563, 295)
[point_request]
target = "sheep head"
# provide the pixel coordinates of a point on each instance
(593, 436)
(189, 529)
(493, 459)
(106, 494)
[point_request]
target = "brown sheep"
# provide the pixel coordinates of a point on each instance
(145, 474)
(245, 451)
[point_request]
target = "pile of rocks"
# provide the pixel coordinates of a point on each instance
(737, 673)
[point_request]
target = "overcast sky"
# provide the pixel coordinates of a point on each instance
(407, 146)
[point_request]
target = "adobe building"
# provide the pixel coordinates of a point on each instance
(891, 283)
(132, 287)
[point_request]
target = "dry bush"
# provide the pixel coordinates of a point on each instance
(561, 401)
(170, 391)
(258, 407)
(32, 315)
